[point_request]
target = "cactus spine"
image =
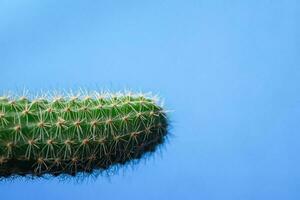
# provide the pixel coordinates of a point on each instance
(76, 134)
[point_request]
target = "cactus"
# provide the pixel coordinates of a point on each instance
(67, 135)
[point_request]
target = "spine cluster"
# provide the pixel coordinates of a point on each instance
(76, 134)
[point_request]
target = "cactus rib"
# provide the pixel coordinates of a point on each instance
(66, 135)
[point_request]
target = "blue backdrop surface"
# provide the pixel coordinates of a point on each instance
(229, 70)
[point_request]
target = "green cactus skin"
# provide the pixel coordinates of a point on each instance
(76, 134)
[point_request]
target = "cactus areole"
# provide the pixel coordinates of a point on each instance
(66, 135)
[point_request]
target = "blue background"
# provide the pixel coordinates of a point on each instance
(230, 71)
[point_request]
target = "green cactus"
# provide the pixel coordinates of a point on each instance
(66, 135)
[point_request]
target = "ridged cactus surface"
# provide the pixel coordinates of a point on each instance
(66, 135)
